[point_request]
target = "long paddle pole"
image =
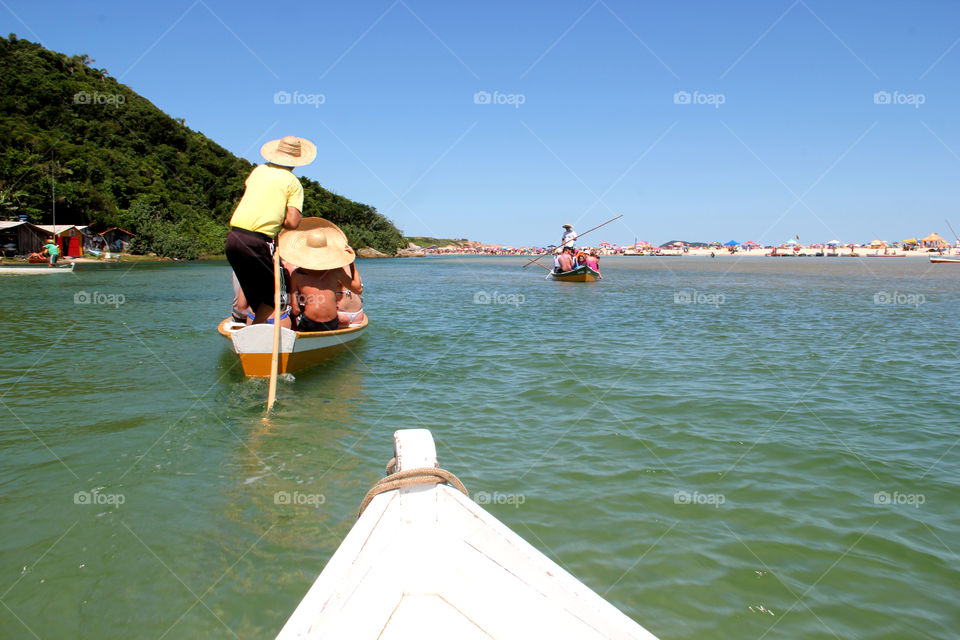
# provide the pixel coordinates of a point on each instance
(951, 229)
(579, 235)
(275, 357)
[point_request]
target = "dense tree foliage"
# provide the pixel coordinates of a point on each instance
(114, 159)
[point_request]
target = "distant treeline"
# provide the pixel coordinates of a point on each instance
(115, 159)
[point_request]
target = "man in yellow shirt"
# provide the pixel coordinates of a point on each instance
(273, 199)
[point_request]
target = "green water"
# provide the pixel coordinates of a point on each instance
(776, 458)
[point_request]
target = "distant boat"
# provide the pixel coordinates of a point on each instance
(583, 273)
(36, 269)
(299, 350)
(955, 259)
(425, 561)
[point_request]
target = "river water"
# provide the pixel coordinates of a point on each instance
(756, 448)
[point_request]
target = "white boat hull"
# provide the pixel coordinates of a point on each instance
(425, 561)
(35, 269)
(299, 350)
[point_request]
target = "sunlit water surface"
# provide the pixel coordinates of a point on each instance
(763, 448)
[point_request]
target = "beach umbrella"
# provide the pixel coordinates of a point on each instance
(731, 243)
(834, 242)
(791, 241)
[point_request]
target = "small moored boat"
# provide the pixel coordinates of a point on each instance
(955, 259)
(298, 349)
(36, 269)
(583, 273)
(424, 561)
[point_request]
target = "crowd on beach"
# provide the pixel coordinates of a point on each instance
(910, 247)
(318, 284)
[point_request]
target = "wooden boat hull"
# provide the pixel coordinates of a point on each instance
(425, 561)
(582, 273)
(299, 350)
(35, 269)
(942, 259)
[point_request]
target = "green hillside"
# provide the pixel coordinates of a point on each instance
(117, 160)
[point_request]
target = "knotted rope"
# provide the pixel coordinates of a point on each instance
(408, 478)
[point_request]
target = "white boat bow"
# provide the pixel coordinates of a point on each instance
(425, 561)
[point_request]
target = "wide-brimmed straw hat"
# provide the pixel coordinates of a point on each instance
(290, 151)
(317, 244)
(568, 226)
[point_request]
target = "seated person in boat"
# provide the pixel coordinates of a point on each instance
(320, 252)
(349, 303)
(564, 261)
(242, 313)
(593, 261)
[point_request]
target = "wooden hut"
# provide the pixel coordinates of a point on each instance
(21, 238)
(117, 240)
(66, 236)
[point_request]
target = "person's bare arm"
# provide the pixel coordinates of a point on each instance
(294, 298)
(354, 283)
(292, 219)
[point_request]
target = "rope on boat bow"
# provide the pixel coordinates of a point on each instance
(408, 478)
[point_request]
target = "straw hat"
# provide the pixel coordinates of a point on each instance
(568, 226)
(317, 244)
(290, 151)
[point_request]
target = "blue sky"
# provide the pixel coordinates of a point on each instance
(696, 120)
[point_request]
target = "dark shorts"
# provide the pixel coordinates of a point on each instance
(306, 324)
(249, 255)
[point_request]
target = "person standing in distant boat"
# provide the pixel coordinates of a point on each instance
(52, 251)
(273, 199)
(569, 238)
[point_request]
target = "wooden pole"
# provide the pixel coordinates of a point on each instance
(537, 259)
(275, 358)
(951, 229)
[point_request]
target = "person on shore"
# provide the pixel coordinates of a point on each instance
(349, 302)
(52, 251)
(273, 199)
(320, 252)
(565, 260)
(569, 238)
